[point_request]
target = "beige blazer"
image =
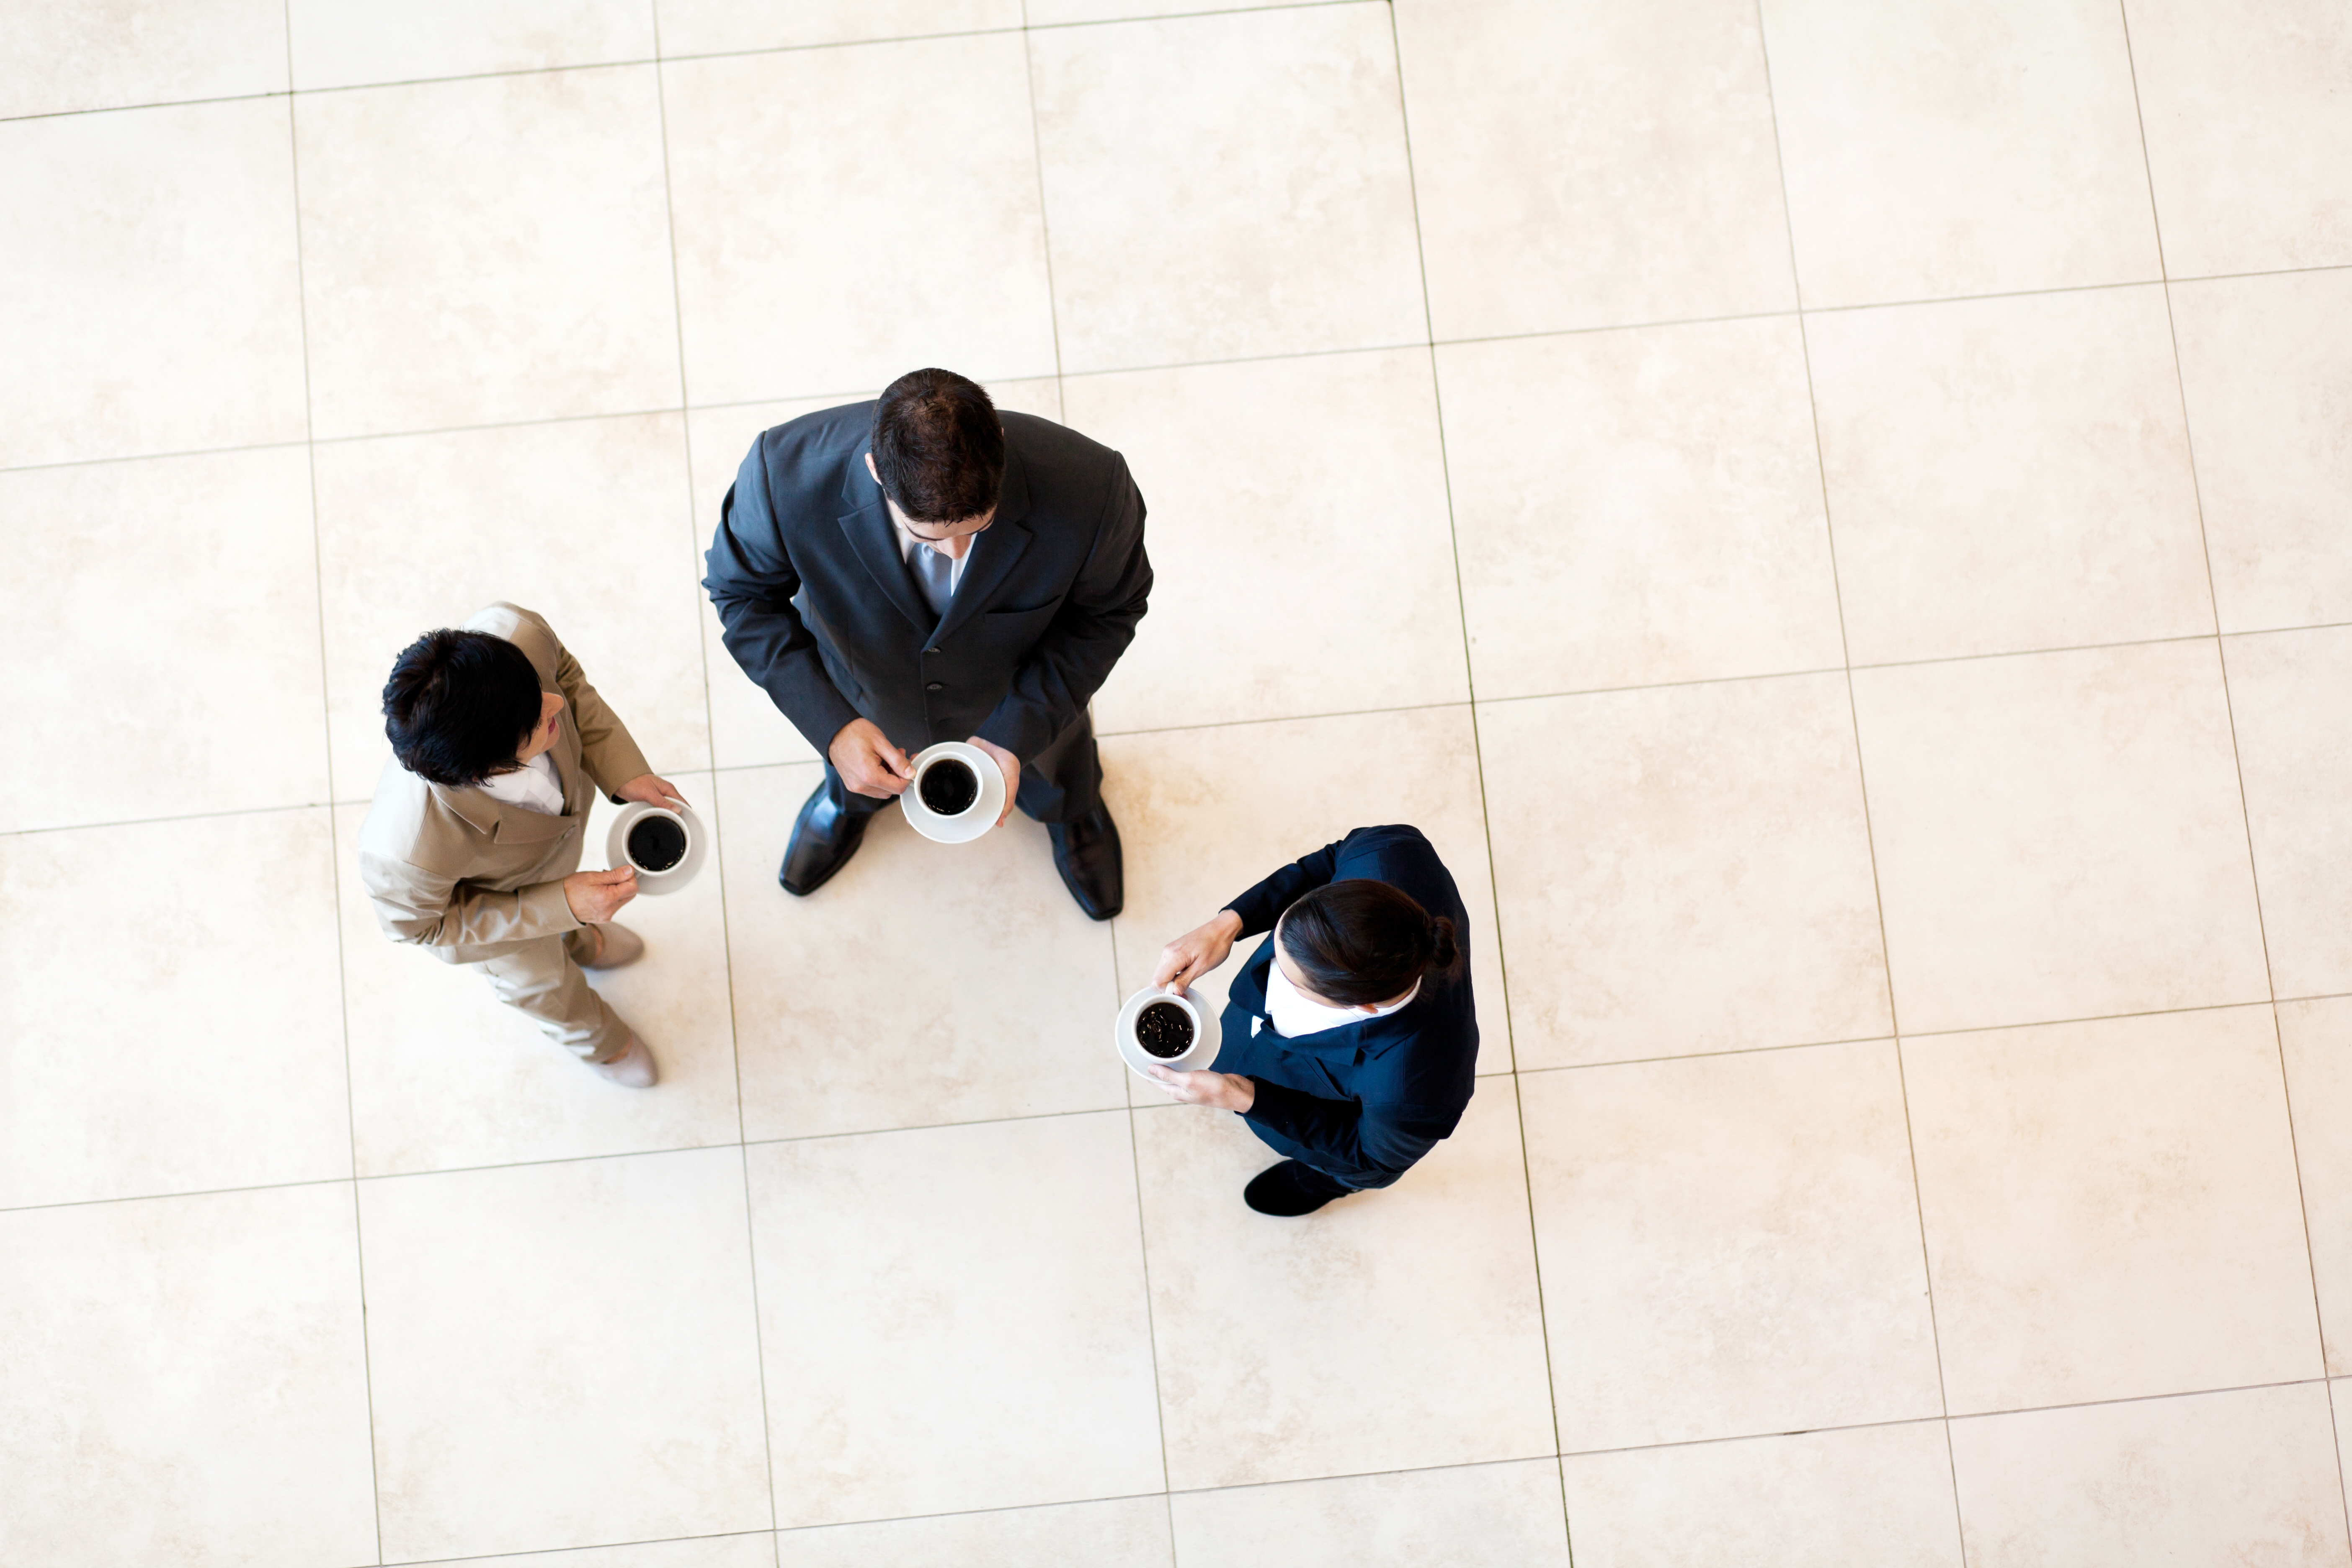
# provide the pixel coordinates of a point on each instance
(471, 878)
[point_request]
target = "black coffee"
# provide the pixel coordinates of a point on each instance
(656, 844)
(1164, 1029)
(948, 787)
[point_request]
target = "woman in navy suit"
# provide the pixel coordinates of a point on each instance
(1350, 1040)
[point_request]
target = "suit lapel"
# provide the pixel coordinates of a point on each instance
(867, 521)
(997, 549)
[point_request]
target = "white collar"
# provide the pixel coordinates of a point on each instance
(908, 544)
(1293, 1015)
(532, 786)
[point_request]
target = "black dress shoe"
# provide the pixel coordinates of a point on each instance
(1291, 1189)
(824, 836)
(1085, 852)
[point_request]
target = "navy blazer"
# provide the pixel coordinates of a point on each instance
(1362, 1102)
(819, 608)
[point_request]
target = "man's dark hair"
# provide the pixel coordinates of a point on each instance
(459, 706)
(939, 448)
(1359, 941)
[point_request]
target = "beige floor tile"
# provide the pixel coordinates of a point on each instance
(1225, 186)
(1395, 1327)
(486, 250)
(583, 520)
(713, 27)
(114, 224)
(1639, 506)
(2294, 755)
(1591, 165)
(562, 1354)
(1125, 1532)
(1050, 13)
(184, 1383)
(1729, 1245)
(1479, 1516)
(746, 730)
(2244, 1477)
(757, 1550)
(159, 637)
(444, 1076)
(2058, 836)
(976, 1299)
(2248, 133)
(1301, 566)
(2266, 367)
(340, 44)
(2009, 474)
(169, 1015)
(925, 984)
(1936, 148)
(107, 54)
(1683, 869)
(1198, 828)
(1873, 1497)
(2316, 1041)
(2110, 1209)
(772, 217)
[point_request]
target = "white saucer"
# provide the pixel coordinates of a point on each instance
(1197, 1055)
(698, 848)
(974, 819)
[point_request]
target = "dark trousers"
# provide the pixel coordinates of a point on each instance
(1062, 784)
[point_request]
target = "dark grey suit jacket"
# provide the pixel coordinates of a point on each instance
(819, 609)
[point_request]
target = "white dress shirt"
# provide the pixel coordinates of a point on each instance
(1293, 1015)
(531, 786)
(908, 544)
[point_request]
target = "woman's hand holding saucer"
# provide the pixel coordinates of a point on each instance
(1197, 952)
(1218, 1090)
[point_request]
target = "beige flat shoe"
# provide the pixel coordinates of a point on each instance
(615, 946)
(633, 1068)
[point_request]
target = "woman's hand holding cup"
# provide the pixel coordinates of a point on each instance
(1197, 952)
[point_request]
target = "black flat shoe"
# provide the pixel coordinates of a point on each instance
(1085, 852)
(1291, 1189)
(824, 836)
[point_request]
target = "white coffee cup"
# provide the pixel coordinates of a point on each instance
(656, 813)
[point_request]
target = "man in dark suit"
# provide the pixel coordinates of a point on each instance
(922, 569)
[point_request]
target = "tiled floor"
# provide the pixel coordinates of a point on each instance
(1835, 516)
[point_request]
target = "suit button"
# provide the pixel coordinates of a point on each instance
(937, 686)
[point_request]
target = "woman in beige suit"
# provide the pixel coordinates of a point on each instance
(472, 847)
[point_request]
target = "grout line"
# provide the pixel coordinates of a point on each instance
(569, 1551)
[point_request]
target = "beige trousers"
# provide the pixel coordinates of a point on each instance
(543, 978)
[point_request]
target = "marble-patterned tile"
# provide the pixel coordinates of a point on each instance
(2248, 131)
(718, 26)
(114, 224)
(746, 730)
(2315, 1043)
(2248, 1476)
(925, 984)
(1205, 814)
(170, 1019)
(446, 1076)
(1120, 1533)
(75, 55)
(1393, 1327)
(773, 217)
(2058, 836)
(185, 1384)
(487, 251)
(1591, 165)
(1055, 13)
(1476, 1516)
(563, 1355)
(2266, 368)
(2111, 1209)
(1634, 508)
(159, 640)
(1870, 1497)
(1685, 869)
(1301, 564)
(1730, 1246)
(954, 1319)
(583, 520)
(2294, 732)
(1948, 147)
(1226, 187)
(2007, 474)
(338, 43)
(752, 1551)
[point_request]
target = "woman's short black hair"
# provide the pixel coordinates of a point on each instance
(939, 448)
(1361, 942)
(459, 706)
